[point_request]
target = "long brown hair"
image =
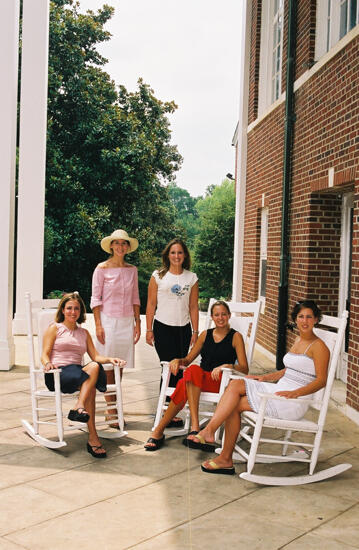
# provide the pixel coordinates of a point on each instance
(59, 317)
(165, 257)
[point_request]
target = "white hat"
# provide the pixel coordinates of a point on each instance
(118, 234)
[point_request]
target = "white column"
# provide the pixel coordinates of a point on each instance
(33, 111)
(241, 152)
(9, 53)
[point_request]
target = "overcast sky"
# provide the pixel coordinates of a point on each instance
(188, 51)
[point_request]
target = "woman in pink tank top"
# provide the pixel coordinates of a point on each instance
(65, 343)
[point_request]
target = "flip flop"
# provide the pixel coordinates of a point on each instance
(157, 443)
(215, 469)
(78, 415)
(92, 450)
(201, 444)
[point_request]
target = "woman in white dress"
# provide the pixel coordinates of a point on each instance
(305, 372)
(115, 304)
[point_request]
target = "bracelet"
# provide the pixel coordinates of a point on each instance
(138, 319)
(195, 332)
(149, 330)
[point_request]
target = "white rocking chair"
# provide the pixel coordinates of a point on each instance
(43, 414)
(244, 319)
(305, 452)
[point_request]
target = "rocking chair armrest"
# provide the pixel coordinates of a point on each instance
(281, 398)
(110, 366)
(235, 373)
(166, 364)
(47, 371)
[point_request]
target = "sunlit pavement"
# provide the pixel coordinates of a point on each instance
(66, 499)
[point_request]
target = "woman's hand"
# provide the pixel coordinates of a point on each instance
(116, 361)
(100, 334)
(289, 394)
(136, 333)
(175, 365)
(150, 339)
(255, 377)
(49, 366)
(217, 372)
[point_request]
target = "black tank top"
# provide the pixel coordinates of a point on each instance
(215, 354)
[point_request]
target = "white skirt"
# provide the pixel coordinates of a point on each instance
(118, 339)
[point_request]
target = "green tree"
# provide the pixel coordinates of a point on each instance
(109, 156)
(215, 241)
(187, 217)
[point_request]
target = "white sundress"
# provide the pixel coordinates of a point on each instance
(300, 371)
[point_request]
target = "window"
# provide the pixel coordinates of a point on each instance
(277, 49)
(348, 16)
(271, 46)
(335, 18)
(263, 254)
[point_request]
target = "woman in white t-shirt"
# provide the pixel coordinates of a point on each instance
(172, 308)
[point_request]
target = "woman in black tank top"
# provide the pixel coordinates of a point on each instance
(219, 347)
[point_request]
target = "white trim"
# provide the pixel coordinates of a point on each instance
(352, 414)
(9, 47)
(235, 136)
(264, 351)
(241, 152)
(32, 156)
(331, 176)
(308, 74)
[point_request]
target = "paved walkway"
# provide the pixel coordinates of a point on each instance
(66, 499)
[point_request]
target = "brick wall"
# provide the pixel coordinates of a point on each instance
(325, 140)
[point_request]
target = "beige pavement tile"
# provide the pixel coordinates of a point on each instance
(14, 440)
(343, 528)
(345, 484)
(38, 507)
(95, 527)
(15, 400)
(13, 385)
(10, 418)
(147, 406)
(38, 462)
(311, 541)
(137, 515)
(94, 483)
(228, 527)
(8, 545)
(295, 505)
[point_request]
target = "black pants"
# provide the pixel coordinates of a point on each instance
(171, 343)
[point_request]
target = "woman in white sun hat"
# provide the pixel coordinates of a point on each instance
(115, 302)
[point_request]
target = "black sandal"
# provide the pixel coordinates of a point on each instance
(157, 443)
(78, 415)
(92, 448)
(175, 423)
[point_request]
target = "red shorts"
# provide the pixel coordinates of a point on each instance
(200, 378)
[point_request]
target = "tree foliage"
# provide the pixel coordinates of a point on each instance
(109, 156)
(187, 217)
(215, 241)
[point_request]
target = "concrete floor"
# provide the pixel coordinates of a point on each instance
(66, 499)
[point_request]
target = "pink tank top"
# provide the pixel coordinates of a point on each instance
(69, 346)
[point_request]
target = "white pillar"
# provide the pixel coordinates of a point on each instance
(33, 111)
(241, 152)
(9, 53)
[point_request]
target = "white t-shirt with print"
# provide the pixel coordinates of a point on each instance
(173, 297)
